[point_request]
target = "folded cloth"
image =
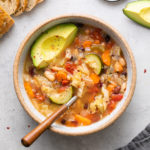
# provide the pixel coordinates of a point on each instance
(140, 142)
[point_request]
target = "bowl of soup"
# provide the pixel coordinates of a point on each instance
(75, 55)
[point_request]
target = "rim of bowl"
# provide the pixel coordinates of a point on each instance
(99, 21)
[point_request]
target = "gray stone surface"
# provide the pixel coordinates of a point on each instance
(123, 130)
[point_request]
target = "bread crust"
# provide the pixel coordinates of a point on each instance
(6, 22)
(22, 7)
(31, 4)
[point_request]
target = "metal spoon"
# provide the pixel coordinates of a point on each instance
(36, 132)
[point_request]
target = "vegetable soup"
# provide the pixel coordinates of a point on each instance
(75, 59)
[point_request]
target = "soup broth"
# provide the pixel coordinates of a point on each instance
(92, 67)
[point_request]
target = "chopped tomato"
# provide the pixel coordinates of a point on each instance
(106, 58)
(70, 67)
(111, 106)
(94, 117)
(87, 44)
(91, 98)
(39, 96)
(52, 70)
(93, 89)
(96, 35)
(109, 45)
(117, 97)
(65, 82)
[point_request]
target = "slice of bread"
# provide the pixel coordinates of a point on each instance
(31, 4)
(6, 22)
(22, 7)
(40, 1)
(10, 6)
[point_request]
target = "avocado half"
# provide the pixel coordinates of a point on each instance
(52, 43)
(139, 11)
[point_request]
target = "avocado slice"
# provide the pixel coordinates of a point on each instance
(52, 43)
(139, 11)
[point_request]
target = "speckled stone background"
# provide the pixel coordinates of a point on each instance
(12, 115)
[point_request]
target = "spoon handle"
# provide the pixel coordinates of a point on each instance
(35, 133)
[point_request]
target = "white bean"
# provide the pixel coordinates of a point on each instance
(49, 75)
(122, 61)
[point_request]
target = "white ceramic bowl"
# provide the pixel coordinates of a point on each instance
(22, 53)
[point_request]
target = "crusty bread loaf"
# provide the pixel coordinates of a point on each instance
(10, 6)
(31, 4)
(22, 7)
(6, 22)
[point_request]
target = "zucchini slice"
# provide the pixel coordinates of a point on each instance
(94, 62)
(63, 97)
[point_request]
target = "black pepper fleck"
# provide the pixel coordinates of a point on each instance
(81, 49)
(63, 121)
(124, 73)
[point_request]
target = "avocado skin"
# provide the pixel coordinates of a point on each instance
(127, 13)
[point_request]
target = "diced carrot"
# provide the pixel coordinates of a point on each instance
(29, 90)
(117, 97)
(87, 44)
(82, 120)
(61, 75)
(95, 78)
(118, 67)
(97, 42)
(111, 87)
(106, 57)
(65, 82)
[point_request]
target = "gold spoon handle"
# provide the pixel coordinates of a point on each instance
(36, 132)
